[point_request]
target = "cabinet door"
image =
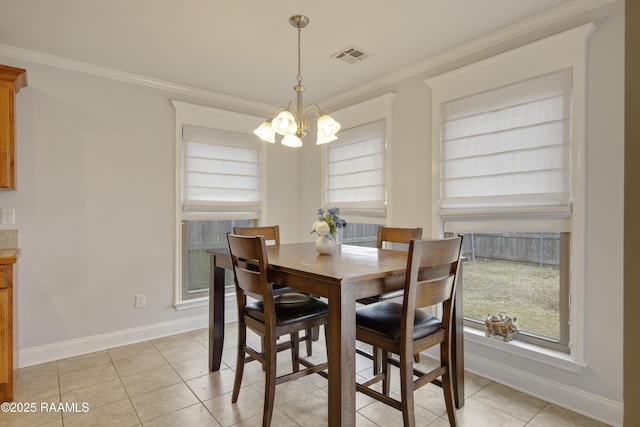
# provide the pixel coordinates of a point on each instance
(7, 158)
(11, 80)
(5, 348)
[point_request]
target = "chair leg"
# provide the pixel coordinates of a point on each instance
(313, 334)
(242, 340)
(271, 351)
(263, 349)
(447, 389)
(447, 384)
(406, 390)
(377, 360)
(384, 369)
(326, 337)
(295, 351)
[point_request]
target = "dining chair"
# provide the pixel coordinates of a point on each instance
(271, 234)
(402, 329)
(392, 238)
(268, 319)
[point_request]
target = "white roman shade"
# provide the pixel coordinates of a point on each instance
(506, 153)
(221, 173)
(356, 170)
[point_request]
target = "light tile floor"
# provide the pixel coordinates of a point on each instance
(165, 382)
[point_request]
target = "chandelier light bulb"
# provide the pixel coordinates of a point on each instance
(292, 141)
(327, 125)
(285, 123)
(265, 132)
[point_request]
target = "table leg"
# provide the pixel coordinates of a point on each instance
(342, 351)
(216, 315)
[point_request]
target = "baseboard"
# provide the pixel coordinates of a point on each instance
(580, 401)
(62, 350)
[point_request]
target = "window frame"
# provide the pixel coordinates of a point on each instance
(214, 118)
(567, 49)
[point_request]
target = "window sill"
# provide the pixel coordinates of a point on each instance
(192, 303)
(524, 350)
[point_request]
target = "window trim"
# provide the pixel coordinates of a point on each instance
(199, 115)
(567, 49)
(374, 109)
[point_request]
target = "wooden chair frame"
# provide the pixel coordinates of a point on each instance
(390, 235)
(432, 269)
(269, 232)
(397, 235)
(250, 266)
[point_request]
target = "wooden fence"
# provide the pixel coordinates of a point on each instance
(537, 248)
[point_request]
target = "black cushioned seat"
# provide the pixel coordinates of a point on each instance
(290, 312)
(385, 318)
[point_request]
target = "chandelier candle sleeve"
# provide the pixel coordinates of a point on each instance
(291, 122)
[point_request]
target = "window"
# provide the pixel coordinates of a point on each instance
(523, 275)
(508, 149)
(221, 171)
(358, 234)
(505, 153)
(355, 169)
(219, 185)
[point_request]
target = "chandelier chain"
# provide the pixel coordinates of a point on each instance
(299, 56)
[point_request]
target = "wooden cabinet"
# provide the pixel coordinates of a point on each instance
(11, 81)
(6, 329)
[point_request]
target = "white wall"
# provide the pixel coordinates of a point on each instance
(94, 212)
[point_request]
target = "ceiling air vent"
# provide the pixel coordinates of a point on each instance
(351, 55)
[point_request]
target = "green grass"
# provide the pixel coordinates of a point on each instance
(525, 291)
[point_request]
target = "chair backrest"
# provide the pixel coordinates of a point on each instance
(270, 233)
(432, 269)
(250, 264)
(397, 235)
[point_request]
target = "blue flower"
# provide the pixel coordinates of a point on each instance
(332, 218)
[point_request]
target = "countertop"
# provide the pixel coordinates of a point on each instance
(8, 255)
(9, 246)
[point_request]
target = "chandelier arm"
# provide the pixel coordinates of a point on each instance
(313, 108)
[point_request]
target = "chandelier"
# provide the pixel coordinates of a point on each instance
(291, 122)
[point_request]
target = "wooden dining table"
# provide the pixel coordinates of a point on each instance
(352, 272)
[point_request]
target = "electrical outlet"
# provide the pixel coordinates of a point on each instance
(140, 300)
(8, 216)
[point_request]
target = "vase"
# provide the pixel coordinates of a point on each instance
(325, 245)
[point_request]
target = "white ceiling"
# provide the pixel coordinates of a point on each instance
(247, 48)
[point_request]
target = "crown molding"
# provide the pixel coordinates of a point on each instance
(532, 27)
(136, 79)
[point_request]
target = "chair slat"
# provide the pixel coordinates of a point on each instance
(433, 292)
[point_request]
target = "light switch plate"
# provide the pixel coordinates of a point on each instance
(141, 300)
